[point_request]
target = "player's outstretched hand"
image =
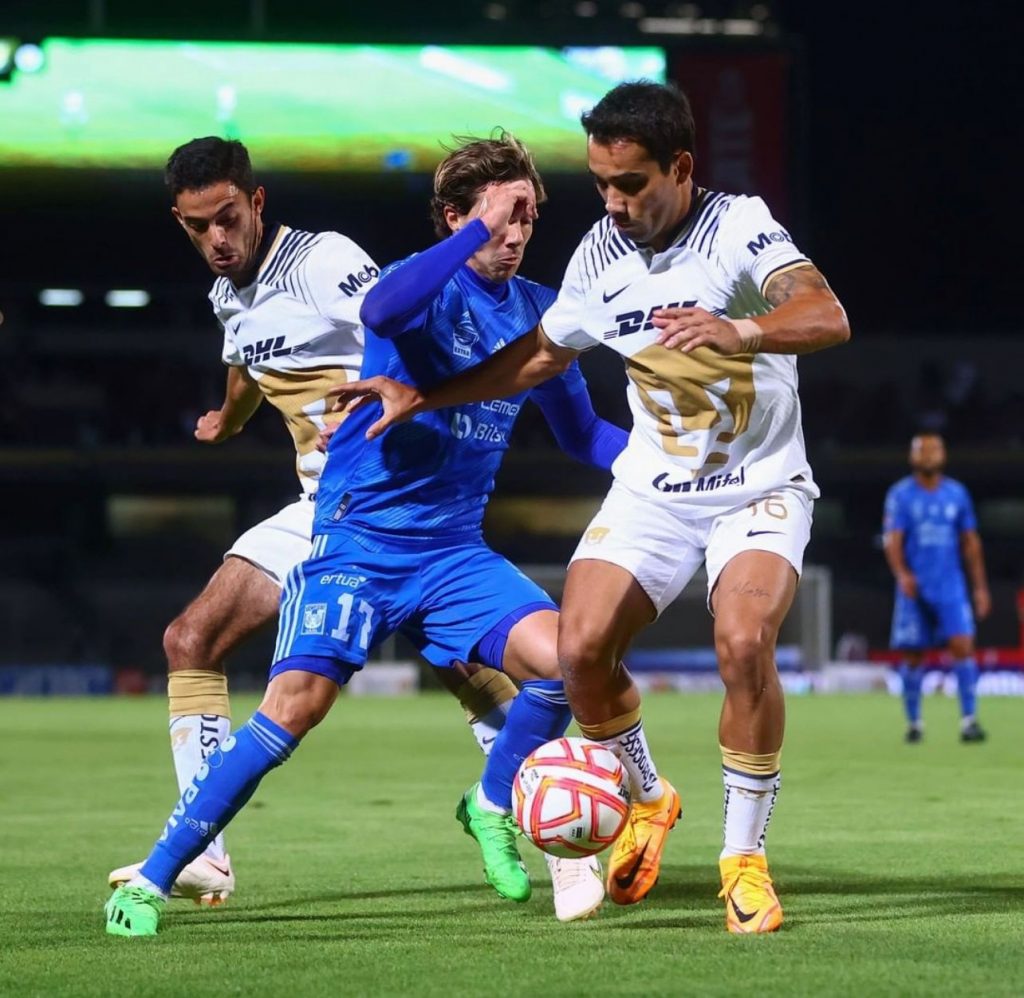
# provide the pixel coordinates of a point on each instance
(211, 428)
(399, 400)
(688, 328)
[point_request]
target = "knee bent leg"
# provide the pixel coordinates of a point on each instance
(187, 645)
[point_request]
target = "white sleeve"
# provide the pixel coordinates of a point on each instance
(230, 353)
(751, 241)
(338, 273)
(563, 321)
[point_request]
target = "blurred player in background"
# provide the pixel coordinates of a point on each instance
(708, 301)
(931, 536)
(288, 302)
(398, 544)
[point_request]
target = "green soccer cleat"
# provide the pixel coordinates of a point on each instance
(496, 836)
(133, 911)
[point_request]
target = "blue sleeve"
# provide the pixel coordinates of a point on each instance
(895, 511)
(968, 521)
(398, 301)
(580, 432)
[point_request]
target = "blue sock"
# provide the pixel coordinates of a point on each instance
(221, 787)
(967, 685)
(912, 677)
(539, 713)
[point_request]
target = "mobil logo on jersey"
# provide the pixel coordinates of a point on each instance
(354, 283)
(765, 239)
(708, 483)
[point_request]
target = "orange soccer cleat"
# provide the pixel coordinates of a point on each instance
(751, 904)
(636, 856)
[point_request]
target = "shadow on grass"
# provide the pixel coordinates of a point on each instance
(250, 917)
(425, 891)
(684, 898)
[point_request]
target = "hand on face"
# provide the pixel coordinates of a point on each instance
(503, 204)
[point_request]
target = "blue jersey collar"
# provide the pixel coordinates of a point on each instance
(495, 290)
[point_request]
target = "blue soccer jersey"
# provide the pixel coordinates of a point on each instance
(432, 477)
(932, 521)
(397, 538)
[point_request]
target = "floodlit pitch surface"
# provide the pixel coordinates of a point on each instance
(109, 103)
(899, 867)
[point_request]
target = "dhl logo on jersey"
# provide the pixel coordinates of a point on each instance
(263, 350)
(640, 321)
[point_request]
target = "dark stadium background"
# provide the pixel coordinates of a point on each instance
(902, 186)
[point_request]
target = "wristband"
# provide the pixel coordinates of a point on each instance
(750, 334)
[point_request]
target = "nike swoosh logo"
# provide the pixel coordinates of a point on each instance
(615, 294)
(742, 915)
(755, 533)
(221, 870)
(627, 881)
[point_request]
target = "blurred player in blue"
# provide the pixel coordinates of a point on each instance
(397, 537)
(931, 537)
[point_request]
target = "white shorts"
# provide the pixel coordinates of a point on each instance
(280, 542)
(663, 544)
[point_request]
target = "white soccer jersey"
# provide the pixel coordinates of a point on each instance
(708, 430)
(296, 329)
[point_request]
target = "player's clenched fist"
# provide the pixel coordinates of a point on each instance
(399, 400)
(211, 428)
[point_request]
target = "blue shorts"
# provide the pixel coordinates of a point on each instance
(921, 623)
(446, 599)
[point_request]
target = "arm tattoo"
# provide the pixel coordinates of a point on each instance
(780, 289)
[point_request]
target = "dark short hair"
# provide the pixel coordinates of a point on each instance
(474, 164)
(656, 116)
(206, 161)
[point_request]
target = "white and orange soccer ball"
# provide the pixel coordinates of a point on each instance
(571, 797)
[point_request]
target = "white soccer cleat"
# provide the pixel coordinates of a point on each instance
(578, 886)
(203, 880)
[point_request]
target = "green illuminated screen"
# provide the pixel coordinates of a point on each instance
(116, 103)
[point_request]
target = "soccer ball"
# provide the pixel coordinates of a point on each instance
(571, 797)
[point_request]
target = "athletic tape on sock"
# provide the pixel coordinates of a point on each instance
(751, 764)
(198, 691)
(604, 730)
(485, 691)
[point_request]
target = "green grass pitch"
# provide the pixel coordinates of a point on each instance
(899, 867)
(111, 103)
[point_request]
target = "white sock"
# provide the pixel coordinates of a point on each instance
(748, 808)
(140, 881)
(485, 729)
(193, 738)
(633, 752)
(487, 804)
